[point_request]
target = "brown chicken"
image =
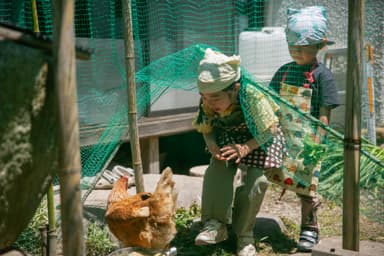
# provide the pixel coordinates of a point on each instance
(145, 219)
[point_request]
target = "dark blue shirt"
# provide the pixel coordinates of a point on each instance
(324, 90)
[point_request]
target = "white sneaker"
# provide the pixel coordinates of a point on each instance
(248, 250)
(213, 232)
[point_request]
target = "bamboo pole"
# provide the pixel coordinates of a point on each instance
(69, 146)
(352, 139)
(50, 236)
(131, 88)
(35, 18)
(370, 88)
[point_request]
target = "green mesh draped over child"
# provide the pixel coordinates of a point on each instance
(253, 144)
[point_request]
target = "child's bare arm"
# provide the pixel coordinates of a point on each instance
(251, 145)
(209, 139)
(324, 117)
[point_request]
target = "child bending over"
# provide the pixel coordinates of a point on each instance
(241, 130)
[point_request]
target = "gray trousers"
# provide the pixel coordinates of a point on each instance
(218, 197)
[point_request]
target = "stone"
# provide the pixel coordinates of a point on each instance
(28, 140)
(268, 225)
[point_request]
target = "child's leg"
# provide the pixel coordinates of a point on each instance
(247, 204)
(217, 193)
(309, 235)
(309, 207)
(216, 205)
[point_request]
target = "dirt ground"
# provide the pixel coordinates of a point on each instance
(329, 214)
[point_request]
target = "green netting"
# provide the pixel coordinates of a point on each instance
(169, 39)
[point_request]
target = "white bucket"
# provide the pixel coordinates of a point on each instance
(263, 52)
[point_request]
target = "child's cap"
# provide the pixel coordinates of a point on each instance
(217, 71)
(307, 26)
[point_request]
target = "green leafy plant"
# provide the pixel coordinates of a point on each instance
(371, 178)
(371, 174)
(313, 152)
(97, 238)
(98, 241)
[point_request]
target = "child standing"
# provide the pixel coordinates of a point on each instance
(306, 35)
(251, 144)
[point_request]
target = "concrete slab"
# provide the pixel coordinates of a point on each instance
(333, 246)
(188, 189)
(13, 252)
(198, 170)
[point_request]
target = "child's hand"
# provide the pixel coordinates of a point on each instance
(234, 151)
(215, 151)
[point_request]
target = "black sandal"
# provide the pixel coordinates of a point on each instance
(308, 239)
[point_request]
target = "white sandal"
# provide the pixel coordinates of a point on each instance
(125, 171)
(106, 180)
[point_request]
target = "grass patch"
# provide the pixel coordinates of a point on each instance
(98, 241)
(330, 218)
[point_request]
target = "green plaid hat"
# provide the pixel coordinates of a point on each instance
(307, 26)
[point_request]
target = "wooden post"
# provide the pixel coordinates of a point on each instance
(150, 154)
(43, 236)
(131, 88)
(64, 68)
(352, 139)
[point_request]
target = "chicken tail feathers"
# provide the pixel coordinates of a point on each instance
(165, 184)
(166, 188)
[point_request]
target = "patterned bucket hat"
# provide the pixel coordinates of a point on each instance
(307, 26)
(217, 71)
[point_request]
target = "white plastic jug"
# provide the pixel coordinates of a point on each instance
(263, 52)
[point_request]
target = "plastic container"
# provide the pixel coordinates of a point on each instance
(263, 52)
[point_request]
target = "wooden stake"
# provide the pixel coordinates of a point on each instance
(131, 87)
(64, 68)
(352, 139)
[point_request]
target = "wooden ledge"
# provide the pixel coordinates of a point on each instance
(148, 127)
